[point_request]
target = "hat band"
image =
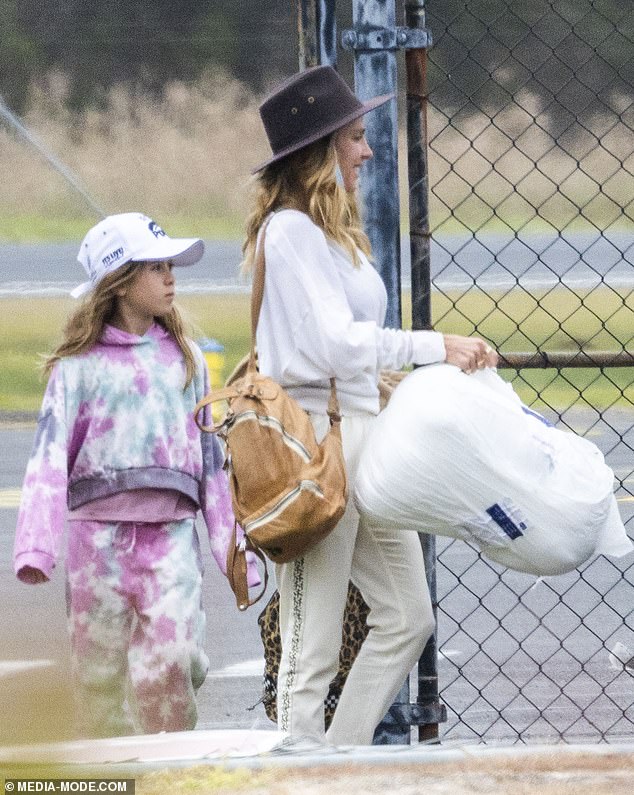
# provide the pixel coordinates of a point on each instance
(309, 120)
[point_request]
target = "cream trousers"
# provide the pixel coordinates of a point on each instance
(388, 568)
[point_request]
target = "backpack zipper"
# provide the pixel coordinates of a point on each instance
(272, 422)
(278, 508)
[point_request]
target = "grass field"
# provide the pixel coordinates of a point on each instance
(558, 321)
(31, 327)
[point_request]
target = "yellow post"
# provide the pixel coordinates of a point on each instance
(213, 351)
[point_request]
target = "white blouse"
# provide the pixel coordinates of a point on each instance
(322, 316)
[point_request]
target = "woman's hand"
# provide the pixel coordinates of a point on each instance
(469, 353)
(32, 576)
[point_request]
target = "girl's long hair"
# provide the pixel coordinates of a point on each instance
(306, 181)
(85, 325)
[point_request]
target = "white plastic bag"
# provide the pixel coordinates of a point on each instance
(460, 455)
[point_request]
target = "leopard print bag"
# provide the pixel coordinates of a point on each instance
(354, 632)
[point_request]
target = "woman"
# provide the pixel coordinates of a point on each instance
(322, 316)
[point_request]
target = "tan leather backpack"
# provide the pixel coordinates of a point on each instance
(288, 490)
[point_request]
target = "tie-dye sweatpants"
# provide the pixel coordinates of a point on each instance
(137, 625)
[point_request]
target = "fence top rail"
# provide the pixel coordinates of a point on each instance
(559, 359)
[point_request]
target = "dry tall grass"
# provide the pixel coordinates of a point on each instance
(186, 156)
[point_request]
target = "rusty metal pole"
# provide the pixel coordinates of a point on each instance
(317, 32)
(418, 179)
(417, 166)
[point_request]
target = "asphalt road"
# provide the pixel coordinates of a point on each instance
(495, 260)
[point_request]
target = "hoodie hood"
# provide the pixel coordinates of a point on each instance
(118, 337)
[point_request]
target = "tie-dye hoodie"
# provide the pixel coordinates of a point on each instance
(113, 419)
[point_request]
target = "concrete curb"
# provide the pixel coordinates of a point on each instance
(187, 749)
(18, 420)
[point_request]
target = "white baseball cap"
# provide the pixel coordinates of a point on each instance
(130, 237)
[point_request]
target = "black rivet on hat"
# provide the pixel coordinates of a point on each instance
(293, 110)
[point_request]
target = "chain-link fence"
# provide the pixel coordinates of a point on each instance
(531, 146)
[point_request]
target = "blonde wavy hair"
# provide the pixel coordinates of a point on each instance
(305, 181)
(85, 325)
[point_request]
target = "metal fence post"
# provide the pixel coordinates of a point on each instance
(418, 181)
(375, 74)
(417, 171)
(317, 32)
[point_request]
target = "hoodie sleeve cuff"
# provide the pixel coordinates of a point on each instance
(36, 560)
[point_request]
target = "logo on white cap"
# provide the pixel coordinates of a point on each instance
(156, 230)
(112, 257)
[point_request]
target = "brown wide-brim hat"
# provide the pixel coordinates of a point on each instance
(308, 106)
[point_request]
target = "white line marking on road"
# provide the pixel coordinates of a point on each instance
(10, 667)
(10, 498)
(255, 668)
(245, 669)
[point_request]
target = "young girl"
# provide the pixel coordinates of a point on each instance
(322, 316)
(117, 452)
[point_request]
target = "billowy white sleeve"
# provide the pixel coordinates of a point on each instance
(306, 315)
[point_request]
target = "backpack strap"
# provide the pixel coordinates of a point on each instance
(257, 293)
(333, 404)
(212, 397)
(237, 570)
(260, 388)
